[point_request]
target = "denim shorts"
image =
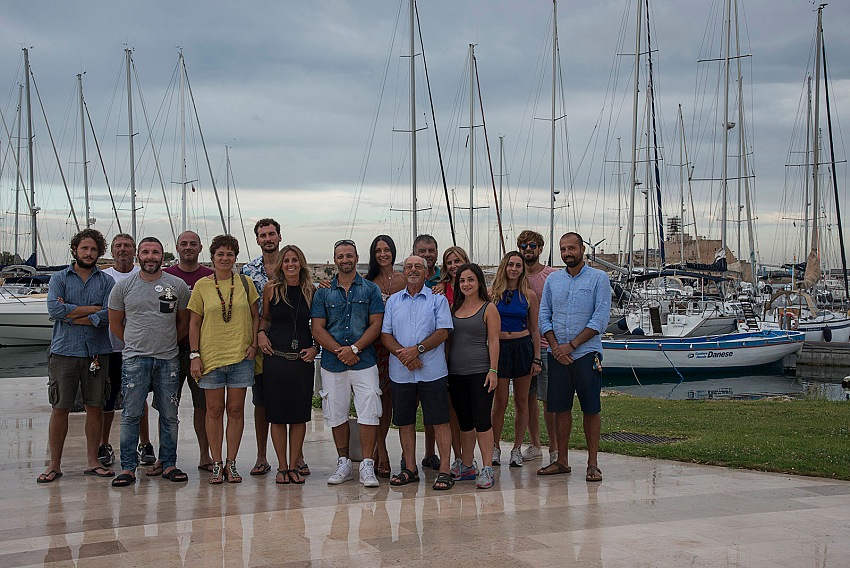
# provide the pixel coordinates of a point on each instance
(236, 376)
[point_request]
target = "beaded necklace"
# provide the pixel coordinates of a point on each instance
(225, 314)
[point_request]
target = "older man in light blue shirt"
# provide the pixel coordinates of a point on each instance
(574, 310)
(416, 325)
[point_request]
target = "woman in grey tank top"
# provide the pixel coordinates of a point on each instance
(473, 357)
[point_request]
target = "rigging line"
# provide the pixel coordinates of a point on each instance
(141, 99)
(238, 206)
(56, 153)
(489, 157)
(651, 94)
(204, 146)
(834, 178)
(103, 167)
(436, 134)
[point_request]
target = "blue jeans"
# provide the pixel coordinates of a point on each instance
(139, 375)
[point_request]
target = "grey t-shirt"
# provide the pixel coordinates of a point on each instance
(117, 344)
(150, 309)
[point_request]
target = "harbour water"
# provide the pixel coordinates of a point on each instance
(32, 362)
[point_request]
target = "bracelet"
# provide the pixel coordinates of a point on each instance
(195, 351)
(263, 330)
(572, 345)
(493, 371)
(537, 360)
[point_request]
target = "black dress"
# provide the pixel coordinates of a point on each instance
(288, 383)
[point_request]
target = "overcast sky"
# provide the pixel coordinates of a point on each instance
(307, 95)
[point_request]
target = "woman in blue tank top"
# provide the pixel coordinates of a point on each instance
(519, 344)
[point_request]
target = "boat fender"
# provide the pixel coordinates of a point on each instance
(827, 333)
(638, 331)
(622, 325)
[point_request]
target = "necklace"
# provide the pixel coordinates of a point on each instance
(388, 287)
(225, 314)
(297, 300)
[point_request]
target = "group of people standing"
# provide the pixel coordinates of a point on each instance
(429, 336)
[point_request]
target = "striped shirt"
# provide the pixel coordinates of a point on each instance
(79, 340)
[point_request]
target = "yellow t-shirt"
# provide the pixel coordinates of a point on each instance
(221, 343)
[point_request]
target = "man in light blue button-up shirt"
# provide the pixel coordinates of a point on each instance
(574, 310)
(416, 325)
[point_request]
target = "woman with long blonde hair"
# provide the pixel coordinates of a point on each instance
(289, 350)
(519, 345)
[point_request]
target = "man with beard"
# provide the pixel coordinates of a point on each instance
(530, 245)
(123, 253)
(78, 359)
(346, 322)
(268, 236)
(574, 310)
(148, 312)
(189, 270)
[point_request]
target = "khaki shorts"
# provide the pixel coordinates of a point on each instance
(67, 374)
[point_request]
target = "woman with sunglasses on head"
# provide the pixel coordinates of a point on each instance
(223, 323)
(287, 344)
(519, 349)
(382, 253)
(473, 355)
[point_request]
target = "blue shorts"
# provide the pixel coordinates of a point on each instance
(579, 378)
(236, 376)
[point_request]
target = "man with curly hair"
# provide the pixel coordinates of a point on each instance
(79, 353)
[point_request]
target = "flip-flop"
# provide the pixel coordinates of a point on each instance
(593, 474)
(124, 480)
(45, 477)
(261, 468)
(303, 469)
(554, 468)
(175, 475)
(383, 471)
(284, 480)
(100, 471)
(154, 471)
(208, 467)
(296, 477)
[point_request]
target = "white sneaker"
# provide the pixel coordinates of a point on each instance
(553, 456)
(342, 473)
(497, 455)
(516, 457)
(367, 473)
(532, 453)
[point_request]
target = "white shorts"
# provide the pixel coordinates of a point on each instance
(336, 396)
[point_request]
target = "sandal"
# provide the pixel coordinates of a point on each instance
(123, 480)
(175, 475)
(208, 467)
(261, 468)
(99, 471)
(295, 477)
(554, 468)
(303, 468)
(46, 477)
(231, 473)
(217, 474)
(282, 477)
(155, 470)
(444, 482)
(383, 471)
(406, 476)
(593, 473)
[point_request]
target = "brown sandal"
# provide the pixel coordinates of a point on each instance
(554, 468)
(593, 473)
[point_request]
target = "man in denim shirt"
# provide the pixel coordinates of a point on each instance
(574, 310)
(79, 352)
(346, 322)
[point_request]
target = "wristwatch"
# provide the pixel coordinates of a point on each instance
(355, 350)
(420, 348)
(194, 355)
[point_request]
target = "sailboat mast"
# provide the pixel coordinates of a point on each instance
(630, 232)
(83, 142)
(724, 183)
(501, 175)
(413, 206)
(30, 136)
(682, 188)
(806, 202)
(130, 135)
(18, 170)
(552, 164)
(184, 223)
(815, 136)
(619, 202)
(471, 149)
(227, 182)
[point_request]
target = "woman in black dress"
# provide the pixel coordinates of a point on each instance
(286, 341)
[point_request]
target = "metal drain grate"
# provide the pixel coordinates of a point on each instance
(632, 438)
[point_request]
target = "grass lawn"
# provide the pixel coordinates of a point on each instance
(806, 437)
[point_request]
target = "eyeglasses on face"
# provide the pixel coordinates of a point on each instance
(532, 246)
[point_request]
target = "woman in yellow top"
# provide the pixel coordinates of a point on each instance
(223, 323)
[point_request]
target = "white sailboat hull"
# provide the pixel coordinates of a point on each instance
(24, 321)
(736, 350)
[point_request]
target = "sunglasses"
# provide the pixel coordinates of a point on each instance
(509, 295)
(532, 246)
(348, 242)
